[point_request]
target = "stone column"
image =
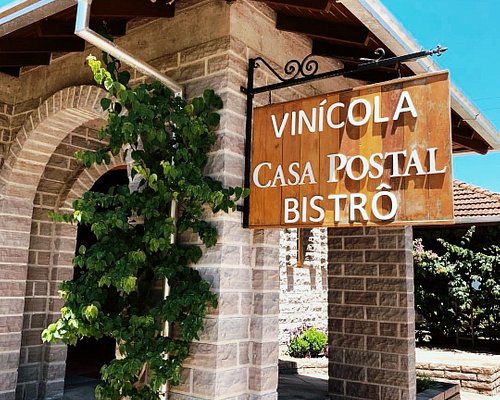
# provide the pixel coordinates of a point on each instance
(264, 324)
(14, 241)
(371, 314)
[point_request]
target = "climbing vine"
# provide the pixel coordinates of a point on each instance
(167, 139)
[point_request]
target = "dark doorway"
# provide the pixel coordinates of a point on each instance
(85, 360)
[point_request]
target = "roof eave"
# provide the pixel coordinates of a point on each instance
(477, 220)
(16, 16)
(381, 22)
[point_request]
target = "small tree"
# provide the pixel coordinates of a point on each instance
(308, 342)
(458, 292)
(168, 140)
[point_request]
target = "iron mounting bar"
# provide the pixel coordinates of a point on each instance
(301, 72)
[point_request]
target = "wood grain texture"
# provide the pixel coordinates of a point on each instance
(422, 199)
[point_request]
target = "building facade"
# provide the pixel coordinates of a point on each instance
(49, 112)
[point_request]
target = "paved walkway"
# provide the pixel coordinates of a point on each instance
(315, 387)
(303, 387)
(291, 387)
(457, 357)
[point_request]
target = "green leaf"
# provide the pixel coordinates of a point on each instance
(213, 119)
(198, 105)
(105, 103)
(124, 77)
(168, 140)
(128, 284)
(91, 312)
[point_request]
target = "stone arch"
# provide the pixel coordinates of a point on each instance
(52, 248)
(45, 128)
(20, 176)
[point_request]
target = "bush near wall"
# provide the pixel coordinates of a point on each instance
(457, 290)
(308, 343)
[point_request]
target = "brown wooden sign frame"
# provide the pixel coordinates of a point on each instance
(304, 72)
(374, 155)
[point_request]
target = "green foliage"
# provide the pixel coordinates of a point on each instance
(424, 382)
(308, 343)
(168, 140)
(458, 292)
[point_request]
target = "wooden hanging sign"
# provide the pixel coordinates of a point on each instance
(373, 155)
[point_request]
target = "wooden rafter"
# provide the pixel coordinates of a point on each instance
(318, 5)
(23, 59)
(335, 50)
(52, 27)
(473, 144)
(374, 76)
(41, 45)
(323, 29)
(132, 8)
(12, 71)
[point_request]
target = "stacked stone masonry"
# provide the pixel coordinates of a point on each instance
(371, 314)
(50, 111)
(483, 380)
(236, 357)
(303, 290)
(442, 391)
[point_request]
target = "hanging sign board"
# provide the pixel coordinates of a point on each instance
(374, 155)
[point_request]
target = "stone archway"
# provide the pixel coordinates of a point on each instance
(25, 185)
(52, 248)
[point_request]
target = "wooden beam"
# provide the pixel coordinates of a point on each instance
(318, 5)
(463, 130)
(12, 71)
(53, 27)
(22, 59)
(373, 76)
(388, 69)
(335, 50)
(476, 145)
(132, 8)
(322, 29)
(41, 45)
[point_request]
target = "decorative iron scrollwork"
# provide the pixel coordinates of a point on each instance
(293, 68)
(379, 53)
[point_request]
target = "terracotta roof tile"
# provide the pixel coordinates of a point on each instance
(474, 202)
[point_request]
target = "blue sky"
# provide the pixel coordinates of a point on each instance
(470, 30)
(4, 2)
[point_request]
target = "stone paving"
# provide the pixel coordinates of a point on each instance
(291, 387)
(315, 387)
(476, 372)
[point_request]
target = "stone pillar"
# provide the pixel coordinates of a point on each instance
(14, 240)
(371, 314)
(264, 324)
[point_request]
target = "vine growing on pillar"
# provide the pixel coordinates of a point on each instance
(167, 139)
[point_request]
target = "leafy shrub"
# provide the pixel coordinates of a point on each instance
(168, 140)
(310, 342)
(457, 293)
(425, 382)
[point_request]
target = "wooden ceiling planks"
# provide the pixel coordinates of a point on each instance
(322, 29)
(132, 8)
(36, 44)
(336, 33)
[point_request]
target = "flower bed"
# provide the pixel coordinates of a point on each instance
(441, 391)
(478, 373)
(291, 365)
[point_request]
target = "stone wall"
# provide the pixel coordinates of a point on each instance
(51, 110)
(371, 318)
(304, 289)
(5, 135)
(482, 379)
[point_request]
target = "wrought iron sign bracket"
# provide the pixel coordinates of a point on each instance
(301, 72)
